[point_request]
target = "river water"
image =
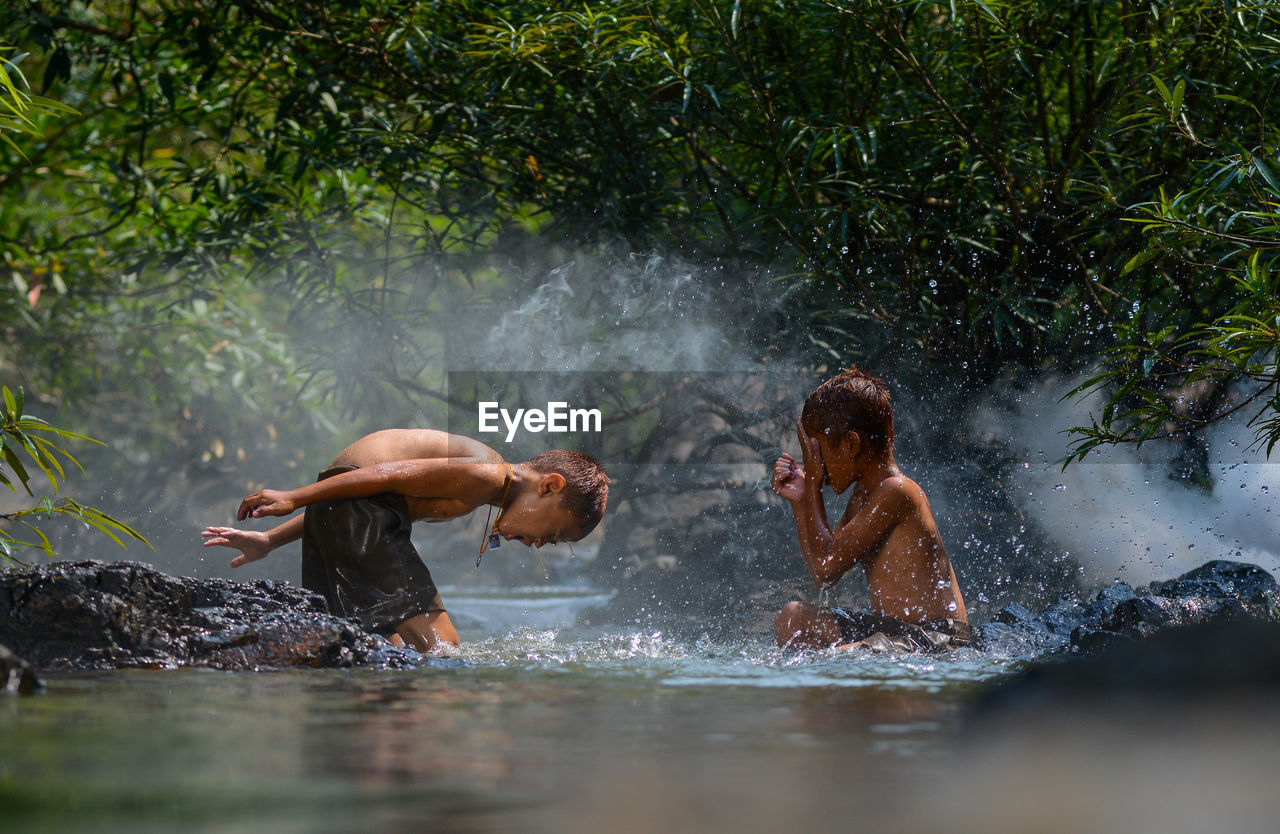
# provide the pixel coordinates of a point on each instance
(540, 726)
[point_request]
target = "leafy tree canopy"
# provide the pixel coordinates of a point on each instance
(928, 182)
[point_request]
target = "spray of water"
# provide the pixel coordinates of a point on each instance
(602, 312)
(1119, 512)
(605, 312)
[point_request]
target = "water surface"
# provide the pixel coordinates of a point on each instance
(537, 728)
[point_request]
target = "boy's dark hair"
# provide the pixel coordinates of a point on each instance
(851, 401)
(586, 486)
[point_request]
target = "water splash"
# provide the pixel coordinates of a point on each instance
(708, 662)
(602, 312)
(1119, 512)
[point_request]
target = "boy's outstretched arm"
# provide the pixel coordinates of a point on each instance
(468, 481)
(253, 544)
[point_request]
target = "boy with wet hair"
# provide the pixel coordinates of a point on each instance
(846, 438)
(355, 530)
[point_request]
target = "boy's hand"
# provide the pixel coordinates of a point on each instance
(788, 479)
(252, 544)
(814, 467)
(265, 502)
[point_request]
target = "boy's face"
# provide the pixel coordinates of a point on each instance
(540, 520)
(838, 454)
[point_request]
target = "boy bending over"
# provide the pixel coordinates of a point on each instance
(355, 531)
(846, 436)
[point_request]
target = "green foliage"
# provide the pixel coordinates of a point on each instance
(251, 183)
(931, 173)
(24, 436)
(1150, 376)
(1205, 346)
(20, 111)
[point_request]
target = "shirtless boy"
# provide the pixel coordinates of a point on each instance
(355, 531)
(846, 437)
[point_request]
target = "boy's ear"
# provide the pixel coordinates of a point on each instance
(549, 483)
(853, 442)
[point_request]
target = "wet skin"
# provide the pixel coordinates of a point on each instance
(441, 476)
(887, 527)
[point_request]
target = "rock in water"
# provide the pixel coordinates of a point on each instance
(16, 675)
(95, 615)
(1218, 658)
(1218, 591)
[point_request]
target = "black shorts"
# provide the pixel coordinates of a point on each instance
(878, 631)
(358, 553)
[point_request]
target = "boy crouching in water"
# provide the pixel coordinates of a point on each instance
(846, 437)
(355, 531)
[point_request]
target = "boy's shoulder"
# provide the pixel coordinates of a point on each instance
(895, 494)
(895, 482)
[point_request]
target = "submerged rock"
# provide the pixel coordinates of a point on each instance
(1223, 658)
(95, 615)
(1216, 592)
(16, 675)
(1209, 638)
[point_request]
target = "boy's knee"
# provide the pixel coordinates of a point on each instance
(789, 622)
(429, 632)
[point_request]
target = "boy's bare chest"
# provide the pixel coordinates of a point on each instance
(436, 509)
(856, 502)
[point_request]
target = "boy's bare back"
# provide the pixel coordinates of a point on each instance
(414, 444)
(420, 444)
(909, 576)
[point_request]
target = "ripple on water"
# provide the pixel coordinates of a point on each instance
(704, 662)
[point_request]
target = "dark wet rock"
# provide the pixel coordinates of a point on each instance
(1144, 614)
(1062, 617)
(1015, 630)
(16, 675)
(1115, 615)
(1085, 639)
(1184, 663)
(1202, 610)
(1176, 588)
(1248, 583)
(95, 615)
(1106, 602)
(1213, 631)
(1218, 591)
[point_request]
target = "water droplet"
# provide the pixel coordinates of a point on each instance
(1059, 487)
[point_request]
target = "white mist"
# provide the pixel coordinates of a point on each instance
(1118, 512)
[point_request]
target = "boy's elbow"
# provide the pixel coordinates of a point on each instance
(826, 571)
